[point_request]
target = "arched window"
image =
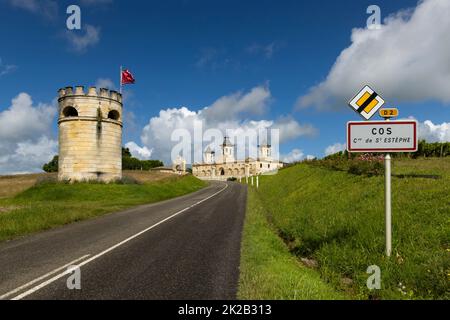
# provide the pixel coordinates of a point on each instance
(114, 115)
(70, 112)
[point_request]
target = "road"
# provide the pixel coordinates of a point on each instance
(184, 248)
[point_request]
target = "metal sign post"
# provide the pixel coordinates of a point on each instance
(381, 137)
(388, 206)
(388, 195)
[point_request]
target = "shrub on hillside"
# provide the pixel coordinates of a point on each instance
(363, 164)
(52, 166)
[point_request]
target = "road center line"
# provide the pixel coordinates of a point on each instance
(6, 295)
(59, 276)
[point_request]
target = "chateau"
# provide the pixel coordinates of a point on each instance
(225, 166)
(90, 134)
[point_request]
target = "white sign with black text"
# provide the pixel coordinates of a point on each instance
(382, 136)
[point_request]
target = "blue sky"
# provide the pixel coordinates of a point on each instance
(191, 53)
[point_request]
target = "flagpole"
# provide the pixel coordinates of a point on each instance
(121, 68)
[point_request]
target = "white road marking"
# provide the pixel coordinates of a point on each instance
(6, 295)
(59, 276)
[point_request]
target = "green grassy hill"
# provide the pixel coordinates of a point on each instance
(48, 204)
(336, 221)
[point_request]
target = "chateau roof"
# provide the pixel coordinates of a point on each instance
(226, 142)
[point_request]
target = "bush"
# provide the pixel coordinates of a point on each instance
(52, 166)
(365, 164)
(43, 180)
(127, 180)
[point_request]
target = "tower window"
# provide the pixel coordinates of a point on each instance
(70, 112)
(114, 115)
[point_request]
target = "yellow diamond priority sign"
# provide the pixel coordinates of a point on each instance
(367, 102)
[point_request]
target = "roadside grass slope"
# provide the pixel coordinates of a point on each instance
(48, 205)
(337, 220)
(268, 270)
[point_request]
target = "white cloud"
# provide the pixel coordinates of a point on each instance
(434, 132)
(406, 60)
(295, 155)
(6, 68)
(142, 153)
(335, 148)
(229, 107)
(105, 83)
(95, 2)
(290, 129)
(266, 50)
(226, 115)
(23, 121)
(80, 41)
(46, 8)
(25, 136)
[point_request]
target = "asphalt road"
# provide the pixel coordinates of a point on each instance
(185, 248)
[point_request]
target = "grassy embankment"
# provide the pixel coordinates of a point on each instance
(336, 221)
(47, 205)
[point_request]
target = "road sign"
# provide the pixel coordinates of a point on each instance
(388, 113)
(382, 136)
(367, 102)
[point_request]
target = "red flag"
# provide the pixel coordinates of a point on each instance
(127, 77)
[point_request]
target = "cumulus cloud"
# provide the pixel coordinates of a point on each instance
(405, 61)
(226, 115)
(80, 41)
(295, 155)
(335, 148)
(291, 129)
(23, 121)
(26, 141)
(142, 153)
(434, 132)
(229, 107)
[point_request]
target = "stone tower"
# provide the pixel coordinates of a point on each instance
(210, 156)
(265, 152)
(227, 151)
(90, 134)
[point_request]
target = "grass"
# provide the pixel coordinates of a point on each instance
(337, 219)
(268, 270)
(48, 205)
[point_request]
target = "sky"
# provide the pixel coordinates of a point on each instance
(240, 65)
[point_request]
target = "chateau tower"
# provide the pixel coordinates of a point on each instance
(265, 152)
(209, 156)
(227, 151)
(90, 134)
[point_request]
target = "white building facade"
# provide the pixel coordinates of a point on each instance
(225, 166)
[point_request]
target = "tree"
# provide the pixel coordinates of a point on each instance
(131, 163)
(52, 166)
(128, 163)
(126, 152)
